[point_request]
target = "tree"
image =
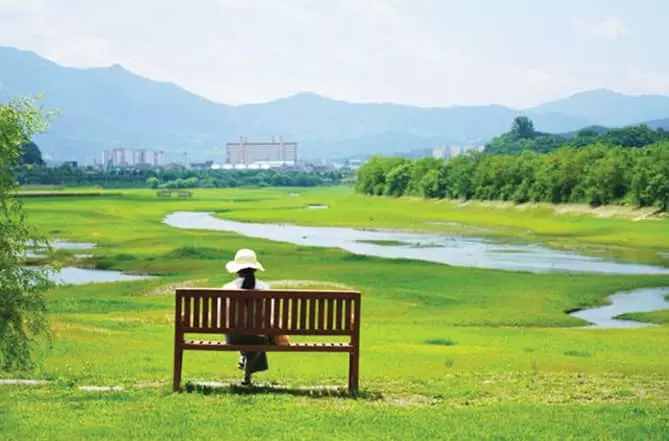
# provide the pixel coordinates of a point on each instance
(397, 180)
(523, 128)
(371, 177)
(153, 182)
(31, 154)
(420, 168)
(22, 307)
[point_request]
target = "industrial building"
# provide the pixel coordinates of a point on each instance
(121, 157)
(275, 152)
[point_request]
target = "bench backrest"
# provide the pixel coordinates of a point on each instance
(271, 312)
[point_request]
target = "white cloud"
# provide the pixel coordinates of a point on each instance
(609, 30)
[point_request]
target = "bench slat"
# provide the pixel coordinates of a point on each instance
(247, 321)
(303, 313)
(235, 312)
(297, 294)
(284, 313)
(205, 312)
(295, 347)
(293, 315)
(312, 314)
(338, 323)
(259, 311)
(330, 314)
(347, 315)
(196, 311)
(269, 313)
(186, 317)
(270, 331)
(321, 314)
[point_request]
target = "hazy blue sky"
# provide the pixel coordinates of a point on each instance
(423, 52)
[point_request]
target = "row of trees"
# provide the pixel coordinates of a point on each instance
(523, 137)
(595, 174)
(177, 178)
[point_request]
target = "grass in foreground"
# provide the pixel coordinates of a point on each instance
(447, 352)
(62, 414)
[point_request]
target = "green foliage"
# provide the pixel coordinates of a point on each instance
(597, 175)
(397, 181)
(523, 128)
(31, 154)
(373, 174)
(420, 168)
(21, 304)
(153, 182)
(522, 137)
(173, 178)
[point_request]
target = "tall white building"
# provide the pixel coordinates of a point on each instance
(447, 152)
(247, 153)
(121, 157)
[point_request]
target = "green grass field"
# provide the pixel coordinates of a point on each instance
(447, 352)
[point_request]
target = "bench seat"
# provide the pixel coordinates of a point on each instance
(293, 347)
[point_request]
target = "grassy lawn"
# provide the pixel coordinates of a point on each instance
(447, 352)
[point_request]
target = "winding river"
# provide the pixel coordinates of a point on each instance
(454, 250)
(448, 249)
(640, 300)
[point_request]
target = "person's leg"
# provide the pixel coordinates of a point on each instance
(255, 361)
(250, 362)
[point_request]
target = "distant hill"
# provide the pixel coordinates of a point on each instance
(659, 124)
(607, 108)
(111, 107)
(600, 130)
(102, 108)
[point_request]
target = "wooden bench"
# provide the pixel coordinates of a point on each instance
(272, 312)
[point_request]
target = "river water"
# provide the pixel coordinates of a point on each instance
(81, 276)
(640, 300)
(448, 249)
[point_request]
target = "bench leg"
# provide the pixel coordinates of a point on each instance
(353, 372)
(178, 361)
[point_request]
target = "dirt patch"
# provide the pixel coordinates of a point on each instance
(169, 289)
(22, 382)
(412, 401)
(101, 388)
(306, 284)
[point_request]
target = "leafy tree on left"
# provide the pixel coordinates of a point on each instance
(22, 307)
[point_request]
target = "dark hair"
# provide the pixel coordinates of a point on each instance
(249, 276)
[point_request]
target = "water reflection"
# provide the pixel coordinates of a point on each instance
(640, 300)
(449, 249)
(82, 276)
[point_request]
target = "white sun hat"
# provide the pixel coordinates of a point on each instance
(244, 258)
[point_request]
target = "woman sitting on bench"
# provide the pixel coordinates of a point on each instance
(245, 266)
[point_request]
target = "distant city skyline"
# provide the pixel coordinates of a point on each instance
(243, 152)
(518, 53)
(122, 157)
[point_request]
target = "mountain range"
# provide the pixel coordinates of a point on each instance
(103, 108)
